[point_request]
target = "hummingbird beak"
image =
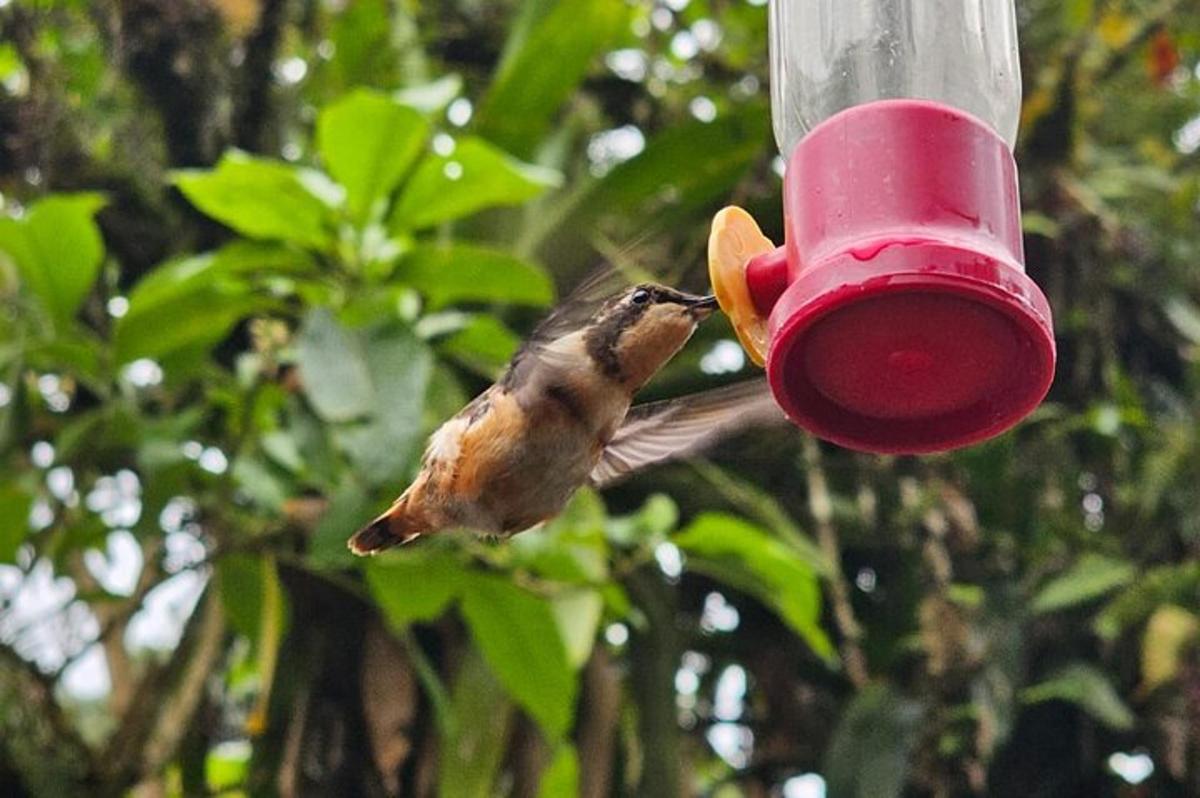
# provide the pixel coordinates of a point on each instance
(702, 306)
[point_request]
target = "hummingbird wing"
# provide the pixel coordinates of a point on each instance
(676, 428)
(571, 315)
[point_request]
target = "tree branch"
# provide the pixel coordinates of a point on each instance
(599, 713)
(40, 741)
(820, 505)
(254, 112)
(151, 730)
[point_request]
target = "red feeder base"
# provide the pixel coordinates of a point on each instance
(906, 323)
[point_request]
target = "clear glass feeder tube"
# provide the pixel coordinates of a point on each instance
(830, 55)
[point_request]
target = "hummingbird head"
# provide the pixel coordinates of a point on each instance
(637, 332)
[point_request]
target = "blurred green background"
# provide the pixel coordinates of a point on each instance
(253, 251)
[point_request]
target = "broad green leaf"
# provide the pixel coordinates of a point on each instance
(561, 778)
(747, 558)
(681, 172)
(1185, 315)
(448, 274)
(414, 585)
(1077, 14)
(1168, 633)
(186, 321)
(75, 350)
(648, 526)
(476, 175)
(577, 613)
(376, 379)
(195, 302)
(273, 616)
(235, 266)
(868, 755)
(363, 34)
(1036, 223)
(1087, 580)
(10, 62)
(400, 366)
(474, 745)
(262, 484)
(57, 251)
(1088, 688)
(527, 91)
(253, 597)
(485, 343)
(571, 548)
(260, 198)
(368, 142)
(349, 509)
(333, 368)
(758, 504)
(225, 768)
(519, 638)
(1167, 584)
(715, 154)
(431, 97)
(14, 521)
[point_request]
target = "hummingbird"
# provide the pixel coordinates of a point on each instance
(561, 417)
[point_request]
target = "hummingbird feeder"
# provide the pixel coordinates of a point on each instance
(897, 317)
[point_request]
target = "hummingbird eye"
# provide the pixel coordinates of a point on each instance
(640, 297)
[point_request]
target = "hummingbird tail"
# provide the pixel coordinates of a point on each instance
(392, 528)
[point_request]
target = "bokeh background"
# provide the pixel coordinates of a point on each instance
(253, 251)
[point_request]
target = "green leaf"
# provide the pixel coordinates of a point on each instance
(759, 505)
(1077, 14)
(1170, 631)
(519, 638)
(430, 97)
(263, 484)
(561, 778)
(378, 379)
(868, 755)
(57, 250)
(1089, 689)
(225, 768)
(1166, 584)
(577, 613)
(716, 155)
(648, 526)
(193, 303)
(14, 521)
(747, 558)
(260, 198)
(253, 597)
(526, 95)
(333, 368)
(235, 267)
(1185, 315)
(473, 749)
(1035, 223)
(363, 34)
(473, 177)
(368, 142)
(414, 585)
(186, 322)
(485, 344)
(400, 366)
(681, 173)
(1088, 579)
(452, 273)
(349, 509)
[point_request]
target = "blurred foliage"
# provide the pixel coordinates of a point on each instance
(253, 251)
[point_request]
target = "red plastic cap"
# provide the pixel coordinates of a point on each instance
(909, 325)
